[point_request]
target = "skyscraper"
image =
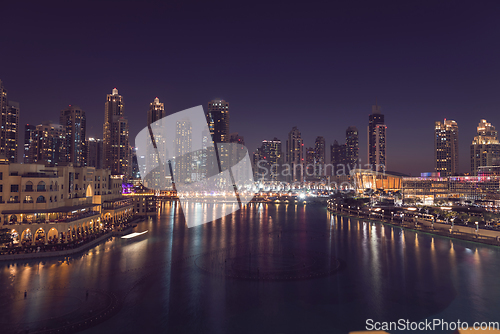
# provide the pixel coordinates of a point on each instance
(485, 148)
(319, 157)
(271, 155)
(377, 140)
(338, 158)
(10, 131)
(74, 123)
(29, 130)
(95, 153)
(47, 144)
(352, 147)
(218, 124)
(295, 156)
(218, 120)
(9, 126)
(156, 111)
(115, 135)
(183, 154)
(310, 164)
(3, 118)
(446, 147)
(236, 152)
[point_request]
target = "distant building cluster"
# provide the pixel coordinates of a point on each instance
(311, 164)
(484, 149)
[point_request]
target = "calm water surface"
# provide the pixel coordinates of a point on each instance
(202, 280)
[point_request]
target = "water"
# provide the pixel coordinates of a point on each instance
(264, 269)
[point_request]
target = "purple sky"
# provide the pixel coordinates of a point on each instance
(319, 66)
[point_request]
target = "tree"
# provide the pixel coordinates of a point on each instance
(5, 236)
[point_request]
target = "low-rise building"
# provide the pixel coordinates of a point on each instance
(59, 204)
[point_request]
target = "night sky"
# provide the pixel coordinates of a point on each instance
(319, 66)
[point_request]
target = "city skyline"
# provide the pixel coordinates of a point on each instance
(156, 110)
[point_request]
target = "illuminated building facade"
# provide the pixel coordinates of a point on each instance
(3, 111)
(271, 158)
(47, 145)
(351, 147)
(29, 132)
(74, 123)
(9, 126)
(115, 135)
(183, 152)
(485, 148)
(295, 156)
(377, 140)
(10, 131)
(156, 111)
(51, 205)
(218, 120)
(446, 147)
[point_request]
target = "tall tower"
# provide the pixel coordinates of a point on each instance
(376, 139)
(271, 153)
(218, 124)
(29, 130)
(352, 146)
(3, 118)
(115, 135)
(446, 147)
(295, 155)
(183, 151)
(74, 123)
(319, 157)
(218, 120)
(485, 148)
(338, 158)
(11, 131)
(156, 111)
(9, 126)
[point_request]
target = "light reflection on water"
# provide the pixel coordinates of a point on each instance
(386, 274)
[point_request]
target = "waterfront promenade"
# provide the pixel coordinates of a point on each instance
(489, 237)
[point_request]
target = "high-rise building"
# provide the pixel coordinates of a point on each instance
(485, 148)
(47, 145)
(377, 140)
(338, 158)
(446, 147)
(310, 164)
(10, 131)
(271, 159)
(295, 156)
(95, 153)
(258, 173)
(319, 157)
(29, 131)
(218, 120)
(218, 124)
(115, 135)
(156, 111)
(352, 147)
(3, 118)
(9, 126)
(183, 152)
(236, 152)
(74, 122)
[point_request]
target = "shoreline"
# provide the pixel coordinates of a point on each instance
(425, 227)
(67, 252)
